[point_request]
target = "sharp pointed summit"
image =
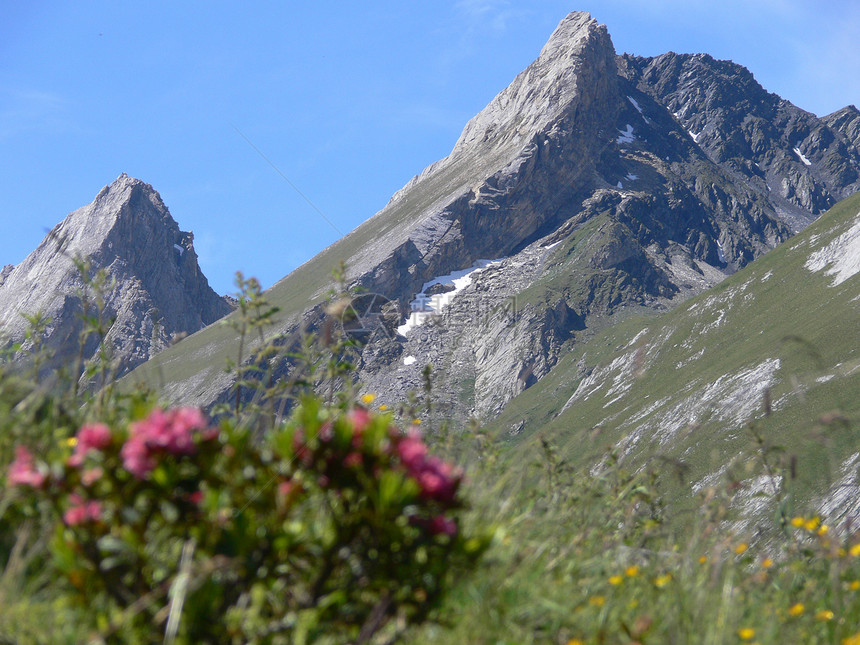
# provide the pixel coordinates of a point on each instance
(159, 290)
(594, 186)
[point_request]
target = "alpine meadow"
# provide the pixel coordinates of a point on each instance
(592, 377)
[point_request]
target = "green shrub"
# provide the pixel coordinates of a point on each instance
(337, 526)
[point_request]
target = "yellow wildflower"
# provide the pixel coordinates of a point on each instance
(767, 563)
(597, 601)
(824, 614)
(367, 399)
(383, 407)
(852, 640)
(796, 609)
(703, 559)
(615, 580)
(575, 641)
(632, 571)
(662, 581)
(741, 548)
(855, 585)
(71, 442)
(855, 550)
(823, 530)
(746, 633)
(812, 523)
(416, 422)
(797, 522)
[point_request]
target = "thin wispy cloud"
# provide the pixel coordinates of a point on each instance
(28, 110)
(491, 16)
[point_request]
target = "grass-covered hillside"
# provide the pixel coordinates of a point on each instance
(687, 478)
(777, 344)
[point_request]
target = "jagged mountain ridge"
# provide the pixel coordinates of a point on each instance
(754, 133)
(159, 289)
(577, 152)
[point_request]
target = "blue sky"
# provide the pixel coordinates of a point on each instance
(347, 100)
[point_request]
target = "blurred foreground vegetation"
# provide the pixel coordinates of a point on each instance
(295, 517)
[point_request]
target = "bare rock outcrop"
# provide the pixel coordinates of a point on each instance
(156, 287)
(598, 184)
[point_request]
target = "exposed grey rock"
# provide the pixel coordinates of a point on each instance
(4, 273)
(678, 212)
(159, 290)
(603, 185)
(846, 121)
(804, 163)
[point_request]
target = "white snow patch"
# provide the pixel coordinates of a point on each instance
(632, 177)
(842, 256)
(635, 104)
(553, 245)
(767, 276)
(720, 253)
(180, 249)
(620, 185)
(424, 306)
(694, 136)
(626, 136)
(805, 161)
(408, 360)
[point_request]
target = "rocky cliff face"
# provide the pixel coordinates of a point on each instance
(158, 289)
(597, 185)
(658, 176)
(805, 164)
(847, 122)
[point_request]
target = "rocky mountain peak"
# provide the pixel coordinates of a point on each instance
(847, 122)
(570, 36)
(591, 187)
(129, 233)
(575, 66)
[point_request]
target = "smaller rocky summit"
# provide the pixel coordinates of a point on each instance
(157, 291)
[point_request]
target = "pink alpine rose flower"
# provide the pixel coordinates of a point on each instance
(441, 525)
(82, 511)
(412, 451)
(136, 457)
(92, 436)
(360, 419)
(352, 460)
(170, 432)
(438, 479)
(91, 476)
(23, 472)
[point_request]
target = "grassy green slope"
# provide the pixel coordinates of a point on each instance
(192, 371)
(683, 385)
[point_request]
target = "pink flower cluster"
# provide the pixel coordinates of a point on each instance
(438, 479)
(170, 432)
(23, 471)
(359, 418)
(82, 511)
(93, 436)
